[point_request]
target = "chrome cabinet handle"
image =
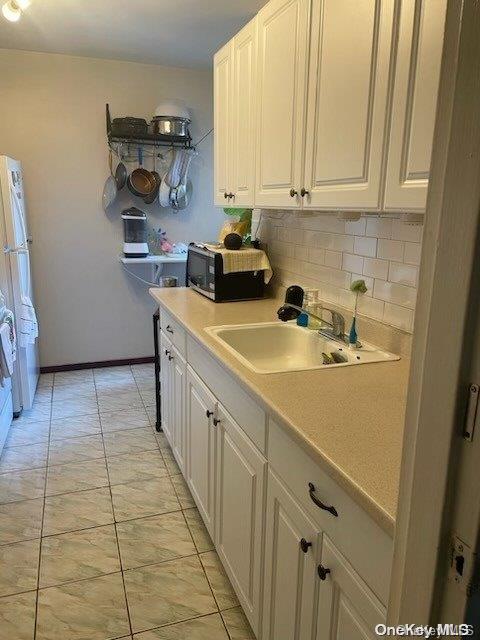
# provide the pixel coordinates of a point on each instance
(319, 503)
(304, 192)
(169, 329)
(293, 193)
(323, 572)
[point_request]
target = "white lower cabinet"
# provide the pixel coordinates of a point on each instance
(177, 406)
(291, 547)
(201, 411)
(299, 571)
(347, 608)
(239, 514)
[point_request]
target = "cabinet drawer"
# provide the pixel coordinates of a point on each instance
(237, 402)
(174, 331)
(360, 539)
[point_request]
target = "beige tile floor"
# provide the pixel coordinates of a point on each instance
(99, 535)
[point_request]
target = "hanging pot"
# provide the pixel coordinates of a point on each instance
(154, 194)
(121, 174)
(141, 182)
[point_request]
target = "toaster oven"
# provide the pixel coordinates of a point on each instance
(205, 275)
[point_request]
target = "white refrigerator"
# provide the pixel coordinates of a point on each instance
(16, 281)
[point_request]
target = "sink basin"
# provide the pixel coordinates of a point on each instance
(277, 347)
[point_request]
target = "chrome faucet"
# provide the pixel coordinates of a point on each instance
(336, 330)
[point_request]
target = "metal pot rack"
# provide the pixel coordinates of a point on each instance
(116, 143)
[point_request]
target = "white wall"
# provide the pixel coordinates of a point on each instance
(322, 252)
(52, 118)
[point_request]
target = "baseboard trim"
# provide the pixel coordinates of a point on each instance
(97, 365)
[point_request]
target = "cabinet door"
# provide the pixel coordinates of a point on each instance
(177, 395)
(242, 157)
(347, 103)
(290, 572)
(347, 608)
(201, 408)
(415, 92)
(283, 34)
(166, 386)
(222, 79)
(239, 513)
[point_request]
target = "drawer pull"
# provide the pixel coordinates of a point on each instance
(169, 328)
(209, 413)
(167, 352)
(304, 192)
(323, 572)
(293, 192)
(216, 421)
(304, 545)
(319, 503)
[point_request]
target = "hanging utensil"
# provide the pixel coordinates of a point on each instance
(154, 194)
(110, 187)
(121, 174)
(141, 182)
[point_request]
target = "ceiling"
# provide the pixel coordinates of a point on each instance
(182, 33)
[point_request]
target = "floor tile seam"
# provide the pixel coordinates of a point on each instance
(41, 529)
(117, 542)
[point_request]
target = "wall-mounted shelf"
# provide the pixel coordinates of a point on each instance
(147, 139)
(171, 258)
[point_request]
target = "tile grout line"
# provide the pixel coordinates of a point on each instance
(43, 520)
(127, 608)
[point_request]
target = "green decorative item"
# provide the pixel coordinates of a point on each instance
(357, 286)
(244, 216)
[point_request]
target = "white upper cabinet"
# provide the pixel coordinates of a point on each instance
(347, 103)
(234, 119)
(222, 80)
(242, 158)
(414, 103)
(283, 35)
(347, 608)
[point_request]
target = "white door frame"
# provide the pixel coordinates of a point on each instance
(447, 312)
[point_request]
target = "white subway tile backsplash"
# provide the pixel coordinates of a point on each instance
(390, 249)
(356, 228)
(403, 274)
(396, 293)
(378, 228)
(375, 267)
(316, 255)
(352, 262)
(407, 232)
(365, 246)
(322, 252)
(413, 252)
(333, 259)
(398, 316)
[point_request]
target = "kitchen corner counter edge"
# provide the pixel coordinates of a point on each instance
(350, 420)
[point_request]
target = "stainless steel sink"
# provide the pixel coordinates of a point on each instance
(277, 347)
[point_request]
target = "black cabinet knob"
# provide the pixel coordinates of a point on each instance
(167, 352)
(322, 572)
(304, 545)
(304, 192)
(209, 413)
(225, 195)
(231, 195)
(169, 329)
(216, 421)
(293, 193)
